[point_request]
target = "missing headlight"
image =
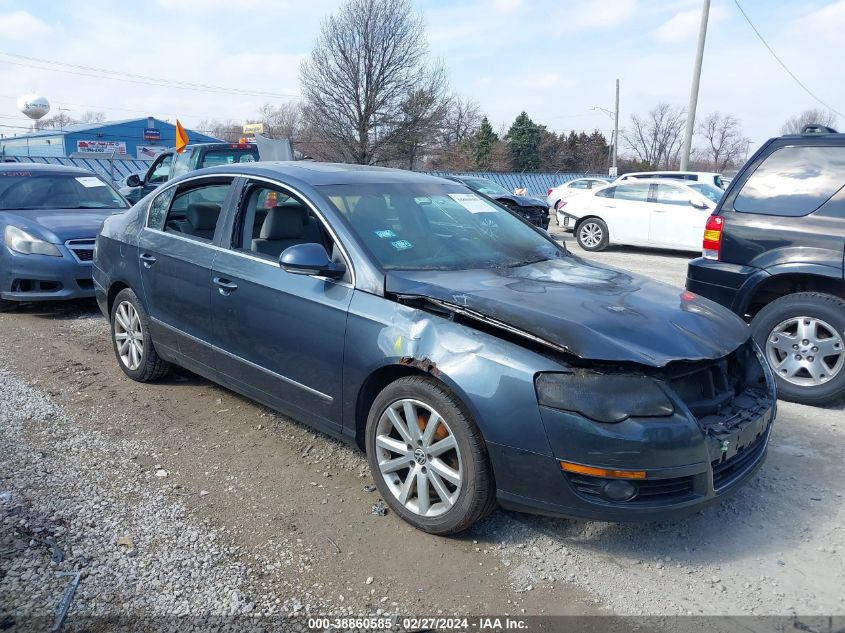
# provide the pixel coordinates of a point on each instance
(604, 398)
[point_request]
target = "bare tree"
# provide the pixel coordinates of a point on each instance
(369, 88)
(795, 124)
(284, 121)
(725, 146)
(230, 130)
(656, 137)
(90, 116)
(455, 139)
(58, 121)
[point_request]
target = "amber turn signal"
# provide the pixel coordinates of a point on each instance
(602, 472)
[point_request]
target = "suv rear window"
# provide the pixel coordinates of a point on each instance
(793, 181)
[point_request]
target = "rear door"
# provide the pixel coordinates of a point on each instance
(625, 209)
(674, 222)
(787, 207)
(281, 334)
(176, 251)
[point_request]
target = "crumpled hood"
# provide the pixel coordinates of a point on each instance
(592, 311)
(62, 224)
(523, 201)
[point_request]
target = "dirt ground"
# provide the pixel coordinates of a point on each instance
(284, 493)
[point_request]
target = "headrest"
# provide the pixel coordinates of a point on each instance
(203, 215)
(371, 207)
(281, 224)
(295, 208)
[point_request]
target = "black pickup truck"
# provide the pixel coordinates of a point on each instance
(169, 164)
(773, 253)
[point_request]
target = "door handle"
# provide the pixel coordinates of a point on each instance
(224, 286)
(147, 259)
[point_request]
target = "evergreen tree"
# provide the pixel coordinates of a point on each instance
(524, 143)
(485, 141)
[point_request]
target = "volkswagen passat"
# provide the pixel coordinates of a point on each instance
(49, 217)
(471, 356)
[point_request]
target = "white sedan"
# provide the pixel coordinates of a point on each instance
(563, 192)
(655, 213)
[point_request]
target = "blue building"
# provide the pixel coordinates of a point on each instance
(133, 139)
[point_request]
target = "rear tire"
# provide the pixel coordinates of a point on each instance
(810, 373)
(132, 341)
(459, 485)
(7, 306)
(592, 234)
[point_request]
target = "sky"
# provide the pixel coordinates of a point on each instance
(555, 59)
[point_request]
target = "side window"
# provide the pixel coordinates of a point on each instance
(195, 210)
(610, 192)
(272, 221)
(793, 181)
(161, 173)
(635, 192)
(158, 209)
(182, 163)
(667, 194)
(579, 184)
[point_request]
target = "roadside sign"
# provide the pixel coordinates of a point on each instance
(101, 147)
(152, 134)
(613, 172)
(250, 129)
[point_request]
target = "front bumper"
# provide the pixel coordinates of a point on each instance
(47, 278)
(688, 460)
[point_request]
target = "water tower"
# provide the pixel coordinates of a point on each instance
(34, 106)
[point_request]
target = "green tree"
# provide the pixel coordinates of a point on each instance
(524, 143)
(485, 141)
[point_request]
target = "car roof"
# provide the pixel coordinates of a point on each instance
(45, 168)
(661, 181)
(670, 171)
(315, 173)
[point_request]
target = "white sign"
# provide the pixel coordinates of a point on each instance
(473, 203)
(149, 152)
(612, 172)
(90, 181)
(101, 147)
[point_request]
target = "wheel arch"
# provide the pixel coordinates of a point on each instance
(781, 285)
(114, 290)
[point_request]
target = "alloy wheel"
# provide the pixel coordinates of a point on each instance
(418, 458)
(590, 234)
(805, 351)
(128, 335)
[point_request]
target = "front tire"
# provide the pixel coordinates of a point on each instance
(7, 306)
(132, 340)
(803, 338)
(428, 458)
(592, 234)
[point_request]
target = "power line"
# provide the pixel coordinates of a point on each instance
(104, 73)
(780, 61)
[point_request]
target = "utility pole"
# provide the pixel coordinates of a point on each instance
(613, 170)
(696, 79)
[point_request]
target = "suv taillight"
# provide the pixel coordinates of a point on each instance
(713, 237)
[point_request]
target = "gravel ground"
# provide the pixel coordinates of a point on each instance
(287, 527)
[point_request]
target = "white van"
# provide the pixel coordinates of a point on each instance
(696, 176)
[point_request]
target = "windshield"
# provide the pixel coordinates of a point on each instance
(487, 187)
(214, 157)
(29, 190)
(707, 190)
(437, 227)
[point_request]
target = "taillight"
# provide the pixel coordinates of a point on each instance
(549, 192)
(713, 237)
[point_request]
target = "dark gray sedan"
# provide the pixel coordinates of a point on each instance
(471, 356)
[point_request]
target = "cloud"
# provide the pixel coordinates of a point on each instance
(507, 6)
(22, 25)
(827, 23)
(684, 25)
(588, 14)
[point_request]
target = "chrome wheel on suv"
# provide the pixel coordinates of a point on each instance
(805, 351)
(418, 457)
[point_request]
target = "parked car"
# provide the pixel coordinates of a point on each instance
(657, 214)
(471, 356)
(560, 194)
(49, 218)
(708, 177)
(530, 209)
(169, 165)
(773, 252)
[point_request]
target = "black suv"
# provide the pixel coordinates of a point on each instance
(773, 253)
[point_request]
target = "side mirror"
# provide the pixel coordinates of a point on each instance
(133, 181)
(697, 205)
(310, 259)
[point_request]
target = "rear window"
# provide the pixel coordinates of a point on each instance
(793, 181)
(215, 157)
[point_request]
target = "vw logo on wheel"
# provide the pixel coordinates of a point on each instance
(419, 456)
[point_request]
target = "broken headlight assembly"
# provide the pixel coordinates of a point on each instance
(603, 397)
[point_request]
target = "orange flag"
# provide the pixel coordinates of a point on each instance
(181, 138)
